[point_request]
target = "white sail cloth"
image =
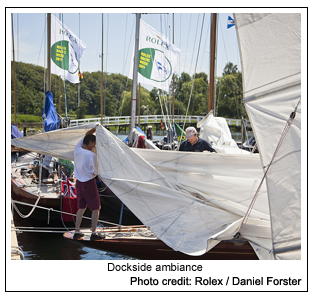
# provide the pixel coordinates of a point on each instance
(216, 131)
(191, 201)
(57, 143)
(270, 46)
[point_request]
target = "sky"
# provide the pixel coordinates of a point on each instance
(30, 36)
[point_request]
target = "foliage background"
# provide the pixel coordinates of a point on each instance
(117, 94)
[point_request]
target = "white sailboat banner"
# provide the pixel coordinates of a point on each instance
(66, 51)
(157, 58)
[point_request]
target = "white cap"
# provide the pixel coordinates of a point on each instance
(190, 132)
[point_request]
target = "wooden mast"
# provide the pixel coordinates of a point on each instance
(213, 38)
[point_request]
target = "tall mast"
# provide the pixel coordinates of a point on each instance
(172, 74)
(60, 87)
(135, 72)
(102, 77)
(213, 38)
(49, 52)
(79, 66)
(14, 74)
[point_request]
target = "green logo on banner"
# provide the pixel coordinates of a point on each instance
(63, 57)
(154, 65)
(60, 54)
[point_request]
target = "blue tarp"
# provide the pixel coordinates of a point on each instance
(15, 132)
(49, 115)
(137, 128)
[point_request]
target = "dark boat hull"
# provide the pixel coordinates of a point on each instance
(23, 195)
(155, 249)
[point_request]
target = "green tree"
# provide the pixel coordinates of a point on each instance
(117, 91)
(230, 93)
(82, 110)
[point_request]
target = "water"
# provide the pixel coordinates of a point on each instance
(53, 246)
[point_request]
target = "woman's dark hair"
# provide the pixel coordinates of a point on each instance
(89, 138)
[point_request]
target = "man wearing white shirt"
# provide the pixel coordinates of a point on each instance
(85, 169)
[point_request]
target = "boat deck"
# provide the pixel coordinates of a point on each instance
(139, 242)
(24, 178)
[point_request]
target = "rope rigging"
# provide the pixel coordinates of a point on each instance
(283, 135)
(114, 234)
(188, 105)
(124, 65)
(239, 113)
(194, 43)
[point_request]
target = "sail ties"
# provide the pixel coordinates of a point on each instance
(284, 133)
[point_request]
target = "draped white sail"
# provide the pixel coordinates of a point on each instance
(191, 201)
(270, 46)
(57, 143)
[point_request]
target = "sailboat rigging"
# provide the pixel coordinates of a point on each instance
(213, 38)
(193, 202)
(28, 182)
(135, 72)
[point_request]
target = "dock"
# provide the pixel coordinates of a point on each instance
(122, 123)
(16, 252)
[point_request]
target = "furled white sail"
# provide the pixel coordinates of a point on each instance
(270, 46)
(216, 131)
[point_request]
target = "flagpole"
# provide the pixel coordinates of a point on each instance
(102, 76)
(60, 86)
(139, 98)
(49, 52)
(173, 73)
(135, 72)
(213, 35)
(79, 67)
(14, 84)
(65, 98)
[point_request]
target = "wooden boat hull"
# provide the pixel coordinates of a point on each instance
(21, 194)
(23, 190)
(155, 249)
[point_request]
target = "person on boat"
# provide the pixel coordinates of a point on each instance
(49, 165)
(193, 143)
(85, 170)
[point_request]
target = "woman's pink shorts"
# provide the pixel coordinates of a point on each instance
(88, 195)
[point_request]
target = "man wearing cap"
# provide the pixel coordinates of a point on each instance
(193, 143)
